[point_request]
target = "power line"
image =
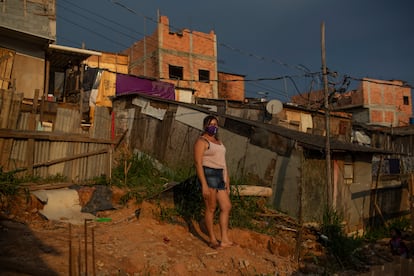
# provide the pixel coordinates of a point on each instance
(105, 25)
(272, 90)
(149, 42)
(256, 79)
(237, 50)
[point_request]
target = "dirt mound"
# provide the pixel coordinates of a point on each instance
(134, 241)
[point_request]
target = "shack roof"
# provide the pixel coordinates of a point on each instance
(246, 127)
(60, 56)
(311, 141)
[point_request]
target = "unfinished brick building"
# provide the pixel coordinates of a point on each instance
(186, 58)
(375, 102)
(379, 102)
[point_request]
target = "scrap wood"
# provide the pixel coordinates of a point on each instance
(64, 159)
(46, 186)
(275, 214)
(119, 139)
(282, 227)
(251, 190)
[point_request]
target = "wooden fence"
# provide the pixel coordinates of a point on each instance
(61, 147)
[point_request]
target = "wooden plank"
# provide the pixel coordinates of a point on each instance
(6, 65)
(12, 118)
(67, 158)
(18, 153)
(55, 136)
(250, 190)
(5, 108)
(1, 97)
(14, 110)
(36, 187)
(32, 126)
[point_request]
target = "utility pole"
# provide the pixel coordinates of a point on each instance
(145, 46)
(327, 120)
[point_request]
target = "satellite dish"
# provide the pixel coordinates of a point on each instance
(274, 106)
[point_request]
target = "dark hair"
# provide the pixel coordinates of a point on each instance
(207, 120)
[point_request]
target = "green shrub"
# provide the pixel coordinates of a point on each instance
(142, 176)
(346, 250)
(9, 185)
(377, 232)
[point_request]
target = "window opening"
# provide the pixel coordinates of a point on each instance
(204, 75)
(175, 72)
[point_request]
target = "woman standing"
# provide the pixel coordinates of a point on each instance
(211, 169)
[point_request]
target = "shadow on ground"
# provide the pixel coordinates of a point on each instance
(20, 250)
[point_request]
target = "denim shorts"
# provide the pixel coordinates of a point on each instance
(214, 178)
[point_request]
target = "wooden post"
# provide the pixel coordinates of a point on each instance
(13, 112)
(46, 91)
(93, 252)
(86, 246)
(82, 69)
(299, 233)
(32, 126)
(411, 197)
(4, 117)
(327, 121)
(70, 250)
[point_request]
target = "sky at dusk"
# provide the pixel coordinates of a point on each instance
(275, 44)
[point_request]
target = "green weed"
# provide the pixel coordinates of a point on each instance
(344, 249)
(142, 176)
(378, 232)
(9, 184)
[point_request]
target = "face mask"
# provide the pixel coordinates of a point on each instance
(211, 130)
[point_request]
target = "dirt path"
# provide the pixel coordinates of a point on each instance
(135, 246)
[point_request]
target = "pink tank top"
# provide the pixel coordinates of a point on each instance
(215, 156)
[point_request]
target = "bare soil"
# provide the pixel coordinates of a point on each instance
(136, 242)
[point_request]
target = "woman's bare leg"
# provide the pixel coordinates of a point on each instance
(225, 207)
(211, 205)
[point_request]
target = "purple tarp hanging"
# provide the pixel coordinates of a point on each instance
(126, 84)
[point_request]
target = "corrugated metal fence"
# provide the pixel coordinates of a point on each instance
(64, 149)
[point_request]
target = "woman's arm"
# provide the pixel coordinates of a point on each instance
(226, 179)
(199, 149)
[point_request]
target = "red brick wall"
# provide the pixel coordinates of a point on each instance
(231, 87)
(137, 60)
(385, 99)
(191, 50)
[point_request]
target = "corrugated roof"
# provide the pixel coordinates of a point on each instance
(60, 56)
(306, 140)
(311, 141)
